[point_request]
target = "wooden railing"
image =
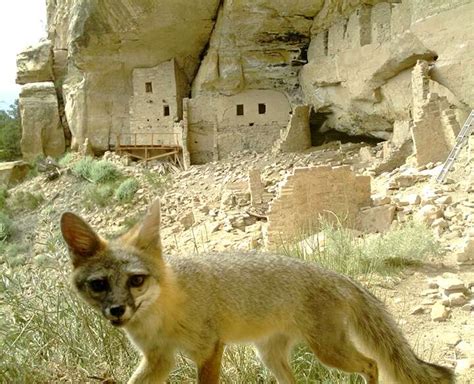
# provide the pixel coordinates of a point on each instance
(150, 146)
(147, 139)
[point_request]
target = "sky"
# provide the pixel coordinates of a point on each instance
(22, 23)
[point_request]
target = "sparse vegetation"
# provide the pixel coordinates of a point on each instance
(157, 181)
(340, 250)
(105, 182)
(99, 195)
(25, 201)
(5, 226)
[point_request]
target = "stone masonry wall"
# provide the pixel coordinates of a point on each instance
(296, 136)
(433, 120)
(316, 192)
(156, 102)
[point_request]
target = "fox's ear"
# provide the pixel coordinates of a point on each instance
(81, 239)
(148, 232)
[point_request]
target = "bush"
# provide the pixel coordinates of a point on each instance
(66, 159)
(96, 171)
(126, 190)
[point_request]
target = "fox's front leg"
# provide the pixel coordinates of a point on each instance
(153, 369)
(209, 368)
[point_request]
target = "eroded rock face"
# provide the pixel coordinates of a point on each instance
(42, 132)
(351, 60)
(35, 63)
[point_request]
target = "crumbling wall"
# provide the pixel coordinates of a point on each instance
(250, 120)
(297, 135)
(435, 126)
(358, 64)
(311, 193)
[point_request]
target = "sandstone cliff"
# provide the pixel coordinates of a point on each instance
(350, 61)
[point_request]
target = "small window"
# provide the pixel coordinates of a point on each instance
(148, 88)
(240, 109)
(166, 110)
(262, 109)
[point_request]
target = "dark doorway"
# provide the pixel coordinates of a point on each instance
(316, 122)
(321, 135)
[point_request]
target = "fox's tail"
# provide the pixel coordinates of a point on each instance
(376, 330)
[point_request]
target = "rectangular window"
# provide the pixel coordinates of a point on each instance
(262, 109)
(326, 42)
(240, 109)
(166, 110)
(148, 88)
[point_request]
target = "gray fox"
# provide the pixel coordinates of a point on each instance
(198, 304)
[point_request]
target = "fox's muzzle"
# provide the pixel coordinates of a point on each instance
(117, 314)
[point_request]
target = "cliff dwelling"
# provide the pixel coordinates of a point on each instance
(236, 77)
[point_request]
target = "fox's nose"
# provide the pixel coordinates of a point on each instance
(117, 310)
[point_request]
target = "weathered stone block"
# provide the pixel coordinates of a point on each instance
(376, 219)
(35, 63)
(42, 133)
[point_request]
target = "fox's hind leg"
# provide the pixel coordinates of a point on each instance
(337, 351)
(209, 370)
(274, 353)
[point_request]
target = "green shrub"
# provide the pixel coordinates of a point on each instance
(66, 159)
(96, 171)
(82, 168)
(104, 171)
(126, 190)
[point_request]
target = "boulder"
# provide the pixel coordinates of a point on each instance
(13, 172)
(376, 219)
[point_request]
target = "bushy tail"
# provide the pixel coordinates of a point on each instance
(377, 331)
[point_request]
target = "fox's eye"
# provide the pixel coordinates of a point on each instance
(136, 281)
(98, 285)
